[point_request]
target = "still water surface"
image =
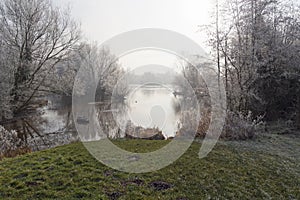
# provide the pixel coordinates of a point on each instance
(148, 106)
(154, 106)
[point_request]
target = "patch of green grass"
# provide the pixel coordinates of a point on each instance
(70, 172)
(140, 146)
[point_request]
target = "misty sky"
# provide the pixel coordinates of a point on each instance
(103, 19)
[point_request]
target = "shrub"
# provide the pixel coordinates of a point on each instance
(10, 144)
(204, 123)
(241, 127)
(237, 126)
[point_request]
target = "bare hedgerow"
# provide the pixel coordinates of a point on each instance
(188, 124)
(237, 126)
(10, 144)
(241, 127)
(204, 123)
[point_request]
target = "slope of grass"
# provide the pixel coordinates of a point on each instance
(230, 171)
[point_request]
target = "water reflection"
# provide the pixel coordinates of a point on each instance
(152, 106)
(146, 106)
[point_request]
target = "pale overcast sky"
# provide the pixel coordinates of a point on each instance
(103, 19)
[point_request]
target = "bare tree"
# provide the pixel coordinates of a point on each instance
(101, 70)
(259, 41)
(37, 36)
(60, 80)
(6, 85)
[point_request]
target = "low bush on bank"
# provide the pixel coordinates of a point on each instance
(10, 144)
(237, 126)
(241, 127)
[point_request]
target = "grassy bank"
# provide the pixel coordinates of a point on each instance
(262, 169)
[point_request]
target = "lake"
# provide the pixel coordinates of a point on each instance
(147, 106)
(152, 106)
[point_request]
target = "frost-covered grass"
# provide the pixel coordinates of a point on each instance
(233, 170)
